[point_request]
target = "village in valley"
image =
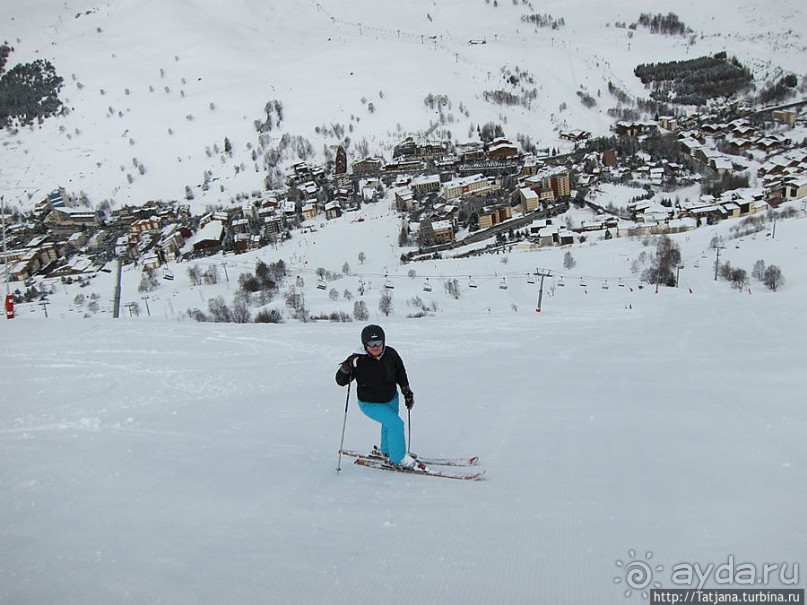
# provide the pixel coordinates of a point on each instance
(450, 196)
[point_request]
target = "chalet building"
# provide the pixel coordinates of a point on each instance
(796, 187)
(426, 150)
(502, 149)
(425, 184)
(368, 166)
(333, 210)
(342, 181)
(560, 184)
(634, 129)
(576, 136)
(463, 186)
(436, 232)
(530, 167)
(70, 220)
(668, 123)
(209, 237)
(530, 200)
(240, 226)
(405, 200)
(785, 116)
(310, 210)
(443, 232)
(245, 242)
(273, 224)
(172, 239)
(404, 165)
(542, 186)
(490, 216)
(609, 158)
(145, 225)
(301, 170)
(490, 168)
(289, 210)
(470, 152)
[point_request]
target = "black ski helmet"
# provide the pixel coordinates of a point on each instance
(372, 332)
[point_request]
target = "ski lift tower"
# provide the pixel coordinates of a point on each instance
(9, 300)
(542, 274)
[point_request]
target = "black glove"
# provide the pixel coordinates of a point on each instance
(348, 365)
(409, 397)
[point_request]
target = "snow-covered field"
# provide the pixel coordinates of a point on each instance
(153, 460)
(160, 85)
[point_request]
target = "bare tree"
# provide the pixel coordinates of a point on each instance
(758, 271)
(219, 310)
(195, 275)
(385, 304)
(241, 313)
(773, 278)
(666, 260)
(360, 312)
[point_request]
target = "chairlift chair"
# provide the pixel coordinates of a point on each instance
(503, 285)
(321, 285)
(471, 282)
(168, 275)
(621, 283)
(427, 287)
(582, 283)
(530, 278)
(605, 284)
(389, 285)
(560, 281)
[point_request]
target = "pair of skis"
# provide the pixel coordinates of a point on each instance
(424, 467)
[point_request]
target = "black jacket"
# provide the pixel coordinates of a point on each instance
(376, 378)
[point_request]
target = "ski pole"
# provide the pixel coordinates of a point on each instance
(409, 429)
(344, 424)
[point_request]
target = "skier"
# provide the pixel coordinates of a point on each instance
(377, 372)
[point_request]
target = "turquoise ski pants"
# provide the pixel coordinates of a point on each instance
(392, 426)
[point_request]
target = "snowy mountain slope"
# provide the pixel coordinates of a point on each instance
(156, 459)
(160, 85)
(148, 459)
(194, 463)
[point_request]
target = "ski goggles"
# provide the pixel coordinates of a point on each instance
(373, 343)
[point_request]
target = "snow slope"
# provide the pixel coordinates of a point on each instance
(153, 460)
(161, 84)
(156, 459)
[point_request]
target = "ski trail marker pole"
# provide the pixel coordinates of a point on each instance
(344, 424)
